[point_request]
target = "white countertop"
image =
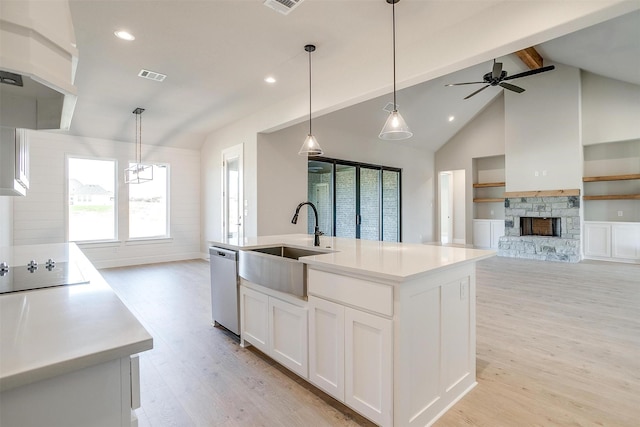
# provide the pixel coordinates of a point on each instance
(391, 261)
(53, 331)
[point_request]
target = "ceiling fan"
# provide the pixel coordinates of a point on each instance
(497, 77)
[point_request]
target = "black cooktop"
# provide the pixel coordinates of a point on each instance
(29, 277)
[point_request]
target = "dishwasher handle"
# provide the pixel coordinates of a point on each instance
(223, 253)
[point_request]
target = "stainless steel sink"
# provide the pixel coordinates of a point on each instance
(277, 267)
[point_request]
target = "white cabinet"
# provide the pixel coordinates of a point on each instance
(276, 327)
(351, 342)
(288, 335)
(326, 346)
(351, 357)
(254, 318)
(612, 241)
(625, 241)
(14, 162)
(487, 232)
(597, 240)
(368, 359)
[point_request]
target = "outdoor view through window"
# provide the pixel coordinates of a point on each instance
(91, 199)
(148, 206)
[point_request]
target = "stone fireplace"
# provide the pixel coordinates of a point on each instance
(542, 225)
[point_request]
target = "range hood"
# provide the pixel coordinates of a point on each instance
(37, 43)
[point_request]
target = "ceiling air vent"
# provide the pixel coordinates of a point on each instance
(282, 6)
(151, 75)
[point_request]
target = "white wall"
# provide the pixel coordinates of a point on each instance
(459, 207)
(40, 217)
(282, 173)
(6, 220)
(543, 132)
(610, 110)
(481, 137)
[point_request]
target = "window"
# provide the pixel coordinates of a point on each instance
(354, 199)
(148, 205)
(92, 199)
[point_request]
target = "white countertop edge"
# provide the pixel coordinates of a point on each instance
(304, 241)
(93, 351)
(383, 277)
(54, 369)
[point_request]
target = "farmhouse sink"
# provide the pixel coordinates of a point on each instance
(277, 267)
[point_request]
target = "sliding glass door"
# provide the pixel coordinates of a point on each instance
(355, 200)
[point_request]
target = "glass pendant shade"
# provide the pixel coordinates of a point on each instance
(395, 128)
(310, 147)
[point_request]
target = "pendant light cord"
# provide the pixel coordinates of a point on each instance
(139, 136)
(393, 14)
(310, 92)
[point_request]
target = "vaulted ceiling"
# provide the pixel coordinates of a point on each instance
(217, 53)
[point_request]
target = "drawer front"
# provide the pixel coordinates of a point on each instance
(370, 296)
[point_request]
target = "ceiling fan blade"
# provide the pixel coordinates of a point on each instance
(460, 84)
(512, 87)
(478, 91)
(530, 72)
(497, 69)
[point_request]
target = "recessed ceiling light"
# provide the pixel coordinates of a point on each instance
(451, 118)
(270, 79)
(124, 35)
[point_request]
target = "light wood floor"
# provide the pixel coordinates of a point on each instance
(557, 345)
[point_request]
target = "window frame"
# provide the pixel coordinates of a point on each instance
(158, 238)
(116, 198)
(358, 166)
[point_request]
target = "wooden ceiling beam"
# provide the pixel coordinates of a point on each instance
(530, 57)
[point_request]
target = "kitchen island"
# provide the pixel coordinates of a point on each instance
(386, 328)
(66, 351)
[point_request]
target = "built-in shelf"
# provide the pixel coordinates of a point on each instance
(625, 177)
(609, 178)
(613, 197)
(487, 200)
(489, 184)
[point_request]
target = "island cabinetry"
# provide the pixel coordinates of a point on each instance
(351, 342)
(401, 353)
(276, 324)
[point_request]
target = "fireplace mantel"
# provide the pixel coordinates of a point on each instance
(546, 193)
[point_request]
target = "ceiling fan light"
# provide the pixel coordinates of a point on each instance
(310, 147)
(395, 128)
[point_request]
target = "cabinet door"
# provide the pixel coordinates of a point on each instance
(254, 319)
(326, 346)
(625, 241)
(497, 231)
(369, 365)
(481, 234)
(288, 335)
(597, 240)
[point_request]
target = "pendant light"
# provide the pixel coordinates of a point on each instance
(395, 128)
(138, 172)
(310, 146)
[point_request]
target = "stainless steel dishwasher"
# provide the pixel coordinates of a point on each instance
(224, 288)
